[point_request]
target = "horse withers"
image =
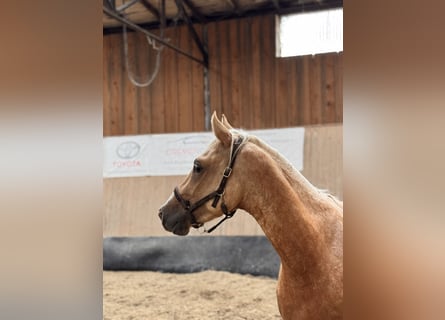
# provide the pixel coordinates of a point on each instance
(303, 223)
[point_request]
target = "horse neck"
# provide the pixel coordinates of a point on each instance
(292, 213)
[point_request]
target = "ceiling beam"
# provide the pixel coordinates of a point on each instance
(195, 11)
(205, 55)
(151, 8)
(109, 3)
(284, 9)
(126, 5)
(276, 4)
(311, 6)
(235, 6)
(120, 18)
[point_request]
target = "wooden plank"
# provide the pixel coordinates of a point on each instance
(267, 34)
(293, 92)
(222, 72)
(226, 77)
(184, 82)
(281, 93)
(197, 82)
(130, 93)
(245, 69)
(323, 157)
(116, 68)
(329, 104)
(315, 89)
(157, 105)
(339, 88)
(299, 85)
(170, 86)
(106, 87)
(215, 67)
(305, 92)
(146, 61)
(233, 64)
(131, 205)
(256, 75)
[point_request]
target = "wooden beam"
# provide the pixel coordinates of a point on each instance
(163, 18)
(192, 30)
(109, 3)
(151, 8)
(311, 6)
(276, 4)
(126, 5)
(195, 11)
(134, 26)
(235, 5)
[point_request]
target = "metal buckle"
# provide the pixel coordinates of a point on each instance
(227, 172)
(220, 195)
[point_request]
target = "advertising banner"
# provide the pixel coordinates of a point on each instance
(173, 154)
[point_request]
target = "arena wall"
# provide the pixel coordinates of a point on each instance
(131, 204)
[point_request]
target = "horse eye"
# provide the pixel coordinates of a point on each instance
(197, 167)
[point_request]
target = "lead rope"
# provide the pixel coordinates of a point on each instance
(218, 224)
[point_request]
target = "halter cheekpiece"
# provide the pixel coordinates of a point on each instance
(215, 195)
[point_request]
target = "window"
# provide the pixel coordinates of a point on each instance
(310, 33)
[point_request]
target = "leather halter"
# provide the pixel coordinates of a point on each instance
(215, 195)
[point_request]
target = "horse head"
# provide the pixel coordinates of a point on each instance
(211, 189)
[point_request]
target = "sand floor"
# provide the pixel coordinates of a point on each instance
(146, 295)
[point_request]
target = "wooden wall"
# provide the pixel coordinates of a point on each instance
(131, 204)
(257, 90)
(247, 83)
(174, 102)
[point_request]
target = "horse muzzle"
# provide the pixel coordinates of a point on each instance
(177, 222)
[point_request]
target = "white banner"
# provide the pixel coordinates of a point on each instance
(173, 154)
(289, 142)
(126, 156)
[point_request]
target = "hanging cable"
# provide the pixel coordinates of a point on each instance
(152, 43)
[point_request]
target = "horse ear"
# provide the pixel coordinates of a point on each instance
(226, 123)
(221, 132)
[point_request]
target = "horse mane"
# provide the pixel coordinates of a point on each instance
(290, 172)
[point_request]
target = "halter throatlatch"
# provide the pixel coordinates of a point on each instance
(215, 195)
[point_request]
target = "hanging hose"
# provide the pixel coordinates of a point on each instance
(151, 43)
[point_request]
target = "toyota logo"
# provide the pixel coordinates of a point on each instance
(128, 150)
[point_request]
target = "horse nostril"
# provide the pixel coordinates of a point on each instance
(160, 214)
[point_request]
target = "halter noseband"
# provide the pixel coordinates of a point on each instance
(215, 195)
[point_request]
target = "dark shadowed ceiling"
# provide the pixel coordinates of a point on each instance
(148, 13)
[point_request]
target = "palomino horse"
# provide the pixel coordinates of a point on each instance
(304, 224)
